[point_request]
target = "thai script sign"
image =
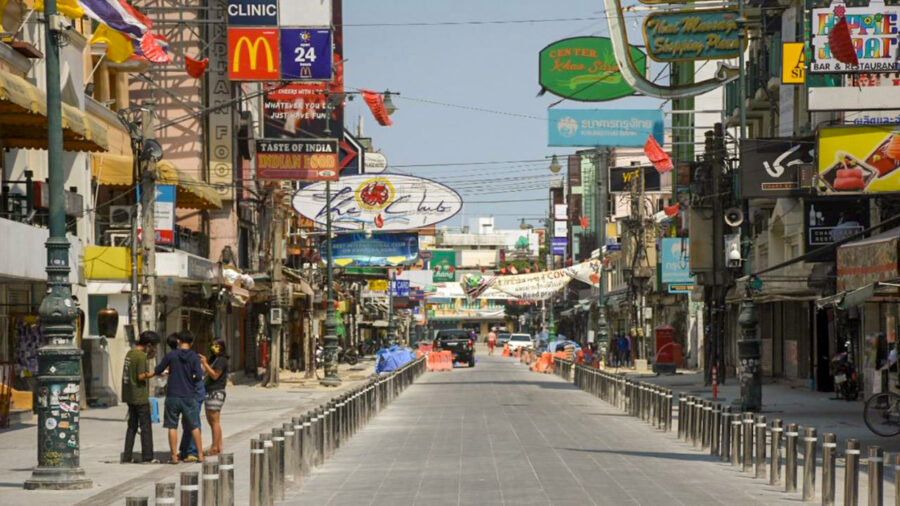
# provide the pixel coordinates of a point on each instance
(385, 202)
(297, 159)
(689, 35)
(604, 127)
(873, 31)
(585, 69)
(859, 159)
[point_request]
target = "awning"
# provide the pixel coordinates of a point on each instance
(858, 297)
(112, 170)
(23, 119)
(192, 193)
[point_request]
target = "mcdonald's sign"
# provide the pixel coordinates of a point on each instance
(253, 54)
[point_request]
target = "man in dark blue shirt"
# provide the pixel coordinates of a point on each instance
(184, 371)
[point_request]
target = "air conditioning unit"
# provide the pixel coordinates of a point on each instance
(120, 216)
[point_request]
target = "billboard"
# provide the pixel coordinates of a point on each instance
(164, 214)
(604, 127)
(384, 202)
(306, 54)
(585, 69)
(858, 159)
(621, 179)
(253, 54)
(675, 264)
(831, 219)
(696, 34)
(873, 31)
(297, 159)
(443, 263)
(772, 168)
(381, 250)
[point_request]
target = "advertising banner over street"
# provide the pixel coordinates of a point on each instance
(859, 159)
(691, 35)
(873, 32)
(604, 127)
(585, 69)
(443, 263)
(297, 159)
(381, 250)
(675, 259)
(385, 202)
(621, 179)
(772, 168)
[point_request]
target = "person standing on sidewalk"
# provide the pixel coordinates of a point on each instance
(187, 449)
(216, 377)
(184, 371)
(491, 341)
(136, 394)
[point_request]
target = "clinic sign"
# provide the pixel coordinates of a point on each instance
(873, 32)
(604, 127)
(585, 69)
(253, 12)
(691, 35)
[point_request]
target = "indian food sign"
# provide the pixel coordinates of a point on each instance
(873, 32)
(689, 35)
(859, 159)
(585, 69)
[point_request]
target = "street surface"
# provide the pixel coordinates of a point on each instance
(500, 434)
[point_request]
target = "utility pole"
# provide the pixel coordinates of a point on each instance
(331, 340)
(601, 176)
(59, 362)
(148, 220)
(276, 316)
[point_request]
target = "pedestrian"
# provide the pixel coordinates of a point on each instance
(624, 352)
(136, 394)
(492, 340)
(613, 352)
(184, 371)
(216, 377)
(187, 449)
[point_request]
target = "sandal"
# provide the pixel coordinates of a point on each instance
(174, 460)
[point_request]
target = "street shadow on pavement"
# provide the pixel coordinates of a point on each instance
(542, 384)
(653, 455)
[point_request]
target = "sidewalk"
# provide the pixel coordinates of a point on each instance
(249, 411)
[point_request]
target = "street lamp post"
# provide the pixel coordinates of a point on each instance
(392, 328)
(330, 339)
(59, 368)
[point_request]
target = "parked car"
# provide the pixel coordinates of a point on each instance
(517, 341)
(458, 342)
(502, 339)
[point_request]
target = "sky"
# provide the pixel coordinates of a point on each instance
(485, 66)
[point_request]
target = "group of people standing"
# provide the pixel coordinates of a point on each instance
(620, 351)
(195, 381)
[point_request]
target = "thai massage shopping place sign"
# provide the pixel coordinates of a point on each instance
(712, 34)
(585, 69)
(873, 31)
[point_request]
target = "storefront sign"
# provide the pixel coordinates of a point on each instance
(832, 219)
(675, 264)
(297, 160)
(604, 127)
(219, 121)
(861, 159)
(621, 179)
(200, 269)
(773, 168)
(400, 288)
(378, 285)
(694, 35)
(793, 63)
(306, 54)
(387, 202)
(164, 214)
(253, 54)
(253, 12)
(560, 212)
(585, 69)
(560, 244)
(381, 250)
(873, 30)
(443, 263)
(374, 163)
(560, 229)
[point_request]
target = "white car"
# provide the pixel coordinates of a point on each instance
(517, 341)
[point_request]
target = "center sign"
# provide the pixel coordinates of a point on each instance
(585, 69)
(386, 202)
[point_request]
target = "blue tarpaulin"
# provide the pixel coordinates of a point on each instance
(393, 358)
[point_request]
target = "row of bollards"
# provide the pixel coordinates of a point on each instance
(285, 455)
(563, 368)
(749, 442)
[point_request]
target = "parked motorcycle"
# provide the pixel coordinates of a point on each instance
(350, 357)
(846, 381)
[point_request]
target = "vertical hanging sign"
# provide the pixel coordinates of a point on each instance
(219, 131)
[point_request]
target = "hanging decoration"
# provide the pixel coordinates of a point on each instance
(375, 102)
(195, 68)
(840, 42)
(658, 157)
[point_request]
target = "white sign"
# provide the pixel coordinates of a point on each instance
(304, 12)
(560, 211)
(873, 32)
(374, 163)
(560, 229)
(386, 202)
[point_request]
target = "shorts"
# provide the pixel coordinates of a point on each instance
(215, 400)
(184, 407)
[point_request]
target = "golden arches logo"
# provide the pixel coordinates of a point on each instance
(253, 49)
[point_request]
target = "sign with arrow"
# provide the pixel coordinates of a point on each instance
(772, 168)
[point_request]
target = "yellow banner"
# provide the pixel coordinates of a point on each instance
(793, 63)
(859, 159)
(378, 285)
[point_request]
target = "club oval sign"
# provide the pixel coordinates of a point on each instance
(383, 202)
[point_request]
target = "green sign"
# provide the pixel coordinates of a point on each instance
(690, 35)
(585, 69)
(443, 263)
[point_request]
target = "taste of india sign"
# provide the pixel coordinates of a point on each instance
(585, 69)
(712, 34)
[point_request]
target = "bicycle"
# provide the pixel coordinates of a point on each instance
(882, 414)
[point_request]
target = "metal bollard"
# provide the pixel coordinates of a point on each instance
(136, 501)
(269, 455)
(896, 480)
(210, 471)
(715, 430)
(829, 458)
(725, 429)
(668, 413)
(165, 494)
(735, 439)
(190, 488)
(760, 447)
(790, 458)
(747, 454)
(290, 452)
(278, 460)
(706, 437)
(776, 431)
(257, 474)
(876, 476)
(851, 473)
(318, 417)
(696, 412)
(809, 463)
(297, 423)
(682, 406)
(226, 479)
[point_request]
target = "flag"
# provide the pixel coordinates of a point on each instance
(659, 158)
(195, 68)
(68, 8)
(376, 105)
(151, 48)
(840, 42)
(118, 46)
(118, 15)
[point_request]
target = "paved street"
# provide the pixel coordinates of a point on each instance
(499, 434)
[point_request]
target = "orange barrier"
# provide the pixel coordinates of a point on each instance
(505, 350)
(544, 364)
(425, 348)
(519, 353)
(440, 361)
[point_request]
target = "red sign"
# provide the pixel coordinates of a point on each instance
(297, 160)
(253, 54)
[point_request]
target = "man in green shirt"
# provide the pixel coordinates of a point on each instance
(135, 393)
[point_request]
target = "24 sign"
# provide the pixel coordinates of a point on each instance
(306, 54)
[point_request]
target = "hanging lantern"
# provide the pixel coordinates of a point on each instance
(841, 43)
(108, 322)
